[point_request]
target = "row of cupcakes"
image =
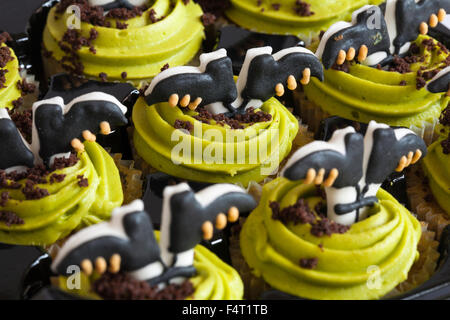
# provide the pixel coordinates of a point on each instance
(155, 123)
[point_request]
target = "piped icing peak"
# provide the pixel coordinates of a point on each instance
(212, 85)
(352, 167)
(127, 242)
(376, 34)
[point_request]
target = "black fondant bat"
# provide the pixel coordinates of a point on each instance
(113, 4)
(441, 82)
(265, 73)
(388, 150)
(410, 14)
(214, 84)
(15, 153)
(188, 214)
(137, 247)
(364, 32)
(349, 164)
(55, 128)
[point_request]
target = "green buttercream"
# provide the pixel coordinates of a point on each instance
(347, 263)
(10, 91)
(248, 14)
(141, 49)
(366, 94)
(156, 140)
(437, 168)
(215, 280)
(69, 206)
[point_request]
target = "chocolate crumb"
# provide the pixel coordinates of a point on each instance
(444, 119)
(276, 6)
(5, 37)
(308, 263)
(185, 125)
(325, 226)
(17, 103)
(103, 76)
(297, 213)
(10, 218)
(124, 75)
(165, 67)
(208, 19)
(25, 87)
(82, 181)
(446, 145)
(122, 286)
(303, 9)
(4, 197)
(23, 121)
(402, 83)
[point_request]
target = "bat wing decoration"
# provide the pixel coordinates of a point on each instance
(264, 75)
(352, 167)
(113, 4)
(440, 82)
(57, 128)
(376, 34)
(359, 39)
(211, 84)
(127, 243)
(16, 153)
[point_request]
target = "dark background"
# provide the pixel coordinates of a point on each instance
(14, 14)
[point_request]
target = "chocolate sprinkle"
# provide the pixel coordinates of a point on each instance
(303, 9)
(184, 125)
(122, 286)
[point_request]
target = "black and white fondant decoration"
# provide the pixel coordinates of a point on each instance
(113, 4)
(212, 85)
(16, 154)
(352, 167)
(57, 128)
(126, 243)
(376, 34)
(440, 82)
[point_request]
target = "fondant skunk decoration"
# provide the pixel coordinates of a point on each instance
(264, 75)
(352, 167)
(127, 242)
(113, 4)
(16, 154)
(440, 82)
(376, 34)
(358, 39)
(212, 85)
(57, 128)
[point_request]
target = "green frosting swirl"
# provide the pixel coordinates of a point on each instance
(367, 93)
(140, 50)
(215, 280)
(366, 262)
(248, 14)
(10, 92)
(436, 166)
(228, 160)
(69, 206)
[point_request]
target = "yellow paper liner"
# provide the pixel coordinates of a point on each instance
(422, 202)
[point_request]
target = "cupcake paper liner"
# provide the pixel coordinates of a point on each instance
(422, 202)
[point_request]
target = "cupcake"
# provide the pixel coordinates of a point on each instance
(15, 85)
(428, 188)
(198, 124)
(121, 40)
(305, 19)
(383, 79)
(349, 240)
(126, 259)
(51, 182)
